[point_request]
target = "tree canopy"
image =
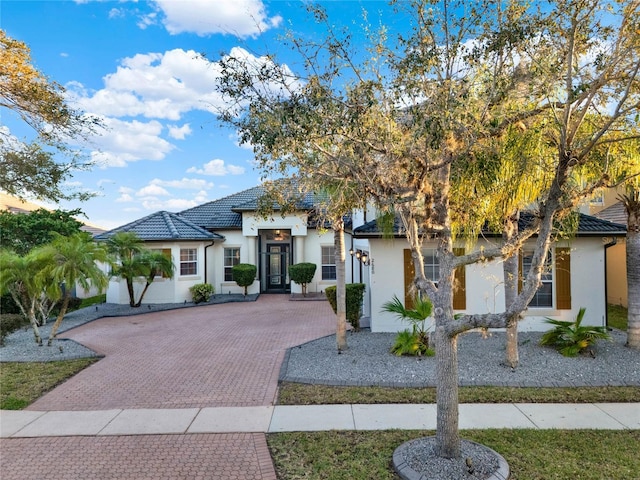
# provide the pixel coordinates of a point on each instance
(38, 168)
(456, 93)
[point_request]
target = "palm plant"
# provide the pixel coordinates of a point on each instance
(571, 338)
(69, 261)
(415, 341)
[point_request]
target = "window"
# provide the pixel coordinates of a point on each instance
(544, 296)
(431, 265)
(231, 258)
(188, 261)
(328, 263)
(167, 253)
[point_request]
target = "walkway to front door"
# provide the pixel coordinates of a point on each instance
(210, 356)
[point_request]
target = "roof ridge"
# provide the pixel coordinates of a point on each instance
(168, 218)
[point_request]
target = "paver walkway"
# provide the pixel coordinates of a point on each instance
(211, 356)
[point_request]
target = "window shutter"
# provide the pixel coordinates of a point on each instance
(460, 284)
(563, 278)
(409, 275)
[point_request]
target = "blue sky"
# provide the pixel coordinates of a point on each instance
(134, 64)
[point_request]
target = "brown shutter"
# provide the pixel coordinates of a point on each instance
(563, 278)
(459, 284)
(409, 276)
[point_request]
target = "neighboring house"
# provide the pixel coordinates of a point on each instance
(574, 278)
(206, 241)
(616, 259)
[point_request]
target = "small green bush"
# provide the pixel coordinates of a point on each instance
(355, 294)
(416, 341)
(10, 322)
(571, 338)
(302, 273)
(244, 274)
(201, 292)
(411, 343)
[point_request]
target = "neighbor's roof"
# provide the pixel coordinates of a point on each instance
(616, 213)
(587, 226)
(163, 226)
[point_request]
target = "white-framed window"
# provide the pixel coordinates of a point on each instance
(231, 258)
(167, 253)
(431, 265)
(188, 261)
(329, 263)
(544, 295)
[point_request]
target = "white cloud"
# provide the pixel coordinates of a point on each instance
(217, 168)
(122, 142)
(179, 133)
(185, 183)
(242, 18)
(152, 190)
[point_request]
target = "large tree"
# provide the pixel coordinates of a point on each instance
(444, 96)
(36, 168)
(23, 232)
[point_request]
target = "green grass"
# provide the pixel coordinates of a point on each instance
(617, 317)
(24, 383)
(302, 394)
(531, 454)
(87, 302)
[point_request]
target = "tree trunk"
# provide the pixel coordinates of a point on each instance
(63, 311)
(341, 294)
(146, 287)
(447, 435)
(31, 314)
(132, 299)
(633, 276)
(510, 271)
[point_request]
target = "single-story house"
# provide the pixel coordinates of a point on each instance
(574, 276)
(206, 241)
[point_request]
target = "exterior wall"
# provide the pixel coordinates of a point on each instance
(215, 261)
(163, 290)
(617, 293)
(484, 285)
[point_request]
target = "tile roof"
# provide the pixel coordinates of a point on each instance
(615, 213)
(587, 226)
(163, 226)
(226, 213)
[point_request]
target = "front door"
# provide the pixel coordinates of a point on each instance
(277, 268)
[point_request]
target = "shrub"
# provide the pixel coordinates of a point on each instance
(8, 305)
(10, 322)
(416, 341)
(355, 294)
(302, 273)
(201, 292)
(244, 274)
(571, 338)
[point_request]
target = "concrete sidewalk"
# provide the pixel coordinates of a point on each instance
(285, 418)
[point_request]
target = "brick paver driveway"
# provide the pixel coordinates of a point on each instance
(212, 356)
(219, 355)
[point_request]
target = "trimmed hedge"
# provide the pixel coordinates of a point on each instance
(244, 274)
(355, 294)
(302, 273)
(10, 322)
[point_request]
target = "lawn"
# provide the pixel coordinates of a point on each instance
(617, 317)
(24, 383)
(531, 454)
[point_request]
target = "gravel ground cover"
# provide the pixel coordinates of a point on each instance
(368, 362)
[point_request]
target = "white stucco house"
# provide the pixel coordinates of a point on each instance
(206, 241)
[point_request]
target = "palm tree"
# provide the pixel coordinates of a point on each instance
(20, 278)
(133, 260)
(70, 261)
(153, 264)
(631, 202)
